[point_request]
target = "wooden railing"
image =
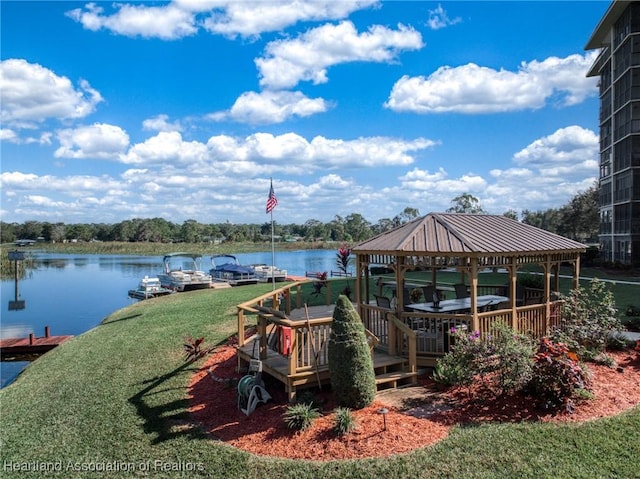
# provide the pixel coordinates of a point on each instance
(308, 337)
(285, 299)
(432, 330)
(308, 349)
(392, 333)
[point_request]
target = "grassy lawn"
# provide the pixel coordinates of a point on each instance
(116, 398)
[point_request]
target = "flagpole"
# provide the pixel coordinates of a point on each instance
(272, 201)
(273, 256)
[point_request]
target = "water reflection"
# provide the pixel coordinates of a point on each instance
(17, 304)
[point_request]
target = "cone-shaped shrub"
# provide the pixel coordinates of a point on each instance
(350, 364)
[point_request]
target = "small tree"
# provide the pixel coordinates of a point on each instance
(350, 363)
(342, 261)
(589, 318)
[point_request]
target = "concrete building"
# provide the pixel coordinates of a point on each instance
(618, 66)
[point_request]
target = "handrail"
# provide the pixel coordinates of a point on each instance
(394, 325)
(277, 296)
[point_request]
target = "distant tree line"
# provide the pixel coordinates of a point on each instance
(577, 220)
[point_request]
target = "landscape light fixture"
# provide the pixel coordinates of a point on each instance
(384, 412)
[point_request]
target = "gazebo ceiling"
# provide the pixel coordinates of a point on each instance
(462, 234)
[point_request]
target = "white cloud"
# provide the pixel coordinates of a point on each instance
(8, 135)
(438, 18)
(439, 183)
(271, 107)
(166, 146)
(566, 147)
(183, 18)
(554, 168)
(31, 94)
(367, 151)
(167, 22)
(76, 186)
(250, 19)
(319, 153)
(306, 58)
(474, 89)
(97, 141)
(160, 123)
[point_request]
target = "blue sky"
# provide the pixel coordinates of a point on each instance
(185, 110)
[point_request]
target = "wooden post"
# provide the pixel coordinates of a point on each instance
(513, 280)
(262, 333)
(31, 338)
(46, 332)
(474, 295)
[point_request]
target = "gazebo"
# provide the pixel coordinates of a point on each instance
(467, 244)
(290, 339)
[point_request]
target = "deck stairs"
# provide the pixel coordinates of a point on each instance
(392, 372)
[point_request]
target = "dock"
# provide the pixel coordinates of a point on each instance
(14, 348)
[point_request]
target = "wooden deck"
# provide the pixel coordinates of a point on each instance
(390, 371)
(31, 345)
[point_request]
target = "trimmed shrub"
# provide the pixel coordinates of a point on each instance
(350, 363)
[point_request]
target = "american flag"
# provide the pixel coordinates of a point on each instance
(272, 201)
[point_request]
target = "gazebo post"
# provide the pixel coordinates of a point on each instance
(474, 293)
(358, 285)
(400, 271)
(548, 266)
(513, 280)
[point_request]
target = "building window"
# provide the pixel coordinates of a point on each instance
(622, 219)
(605, 76)
(605, 194)
(623, 188)
(605, 221)
(605, 135)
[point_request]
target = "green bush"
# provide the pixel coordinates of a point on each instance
(503, 361)
(514, 359)
(300, 416)
(557, 376)
(464, 361)
(451, 370)
(589, 318)
(350, 363)
(343, 422)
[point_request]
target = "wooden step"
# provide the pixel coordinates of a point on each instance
(392, 379)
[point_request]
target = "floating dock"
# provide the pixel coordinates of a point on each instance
(16, 347)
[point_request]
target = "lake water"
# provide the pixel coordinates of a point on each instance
(74, 293)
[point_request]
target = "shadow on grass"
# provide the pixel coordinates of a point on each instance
(132, 316)
(170, 419)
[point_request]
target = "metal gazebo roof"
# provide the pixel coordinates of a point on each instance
(459, 234)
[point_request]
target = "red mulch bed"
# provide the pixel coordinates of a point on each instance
(417, 422)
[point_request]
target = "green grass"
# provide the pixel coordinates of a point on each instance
(117, 395)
